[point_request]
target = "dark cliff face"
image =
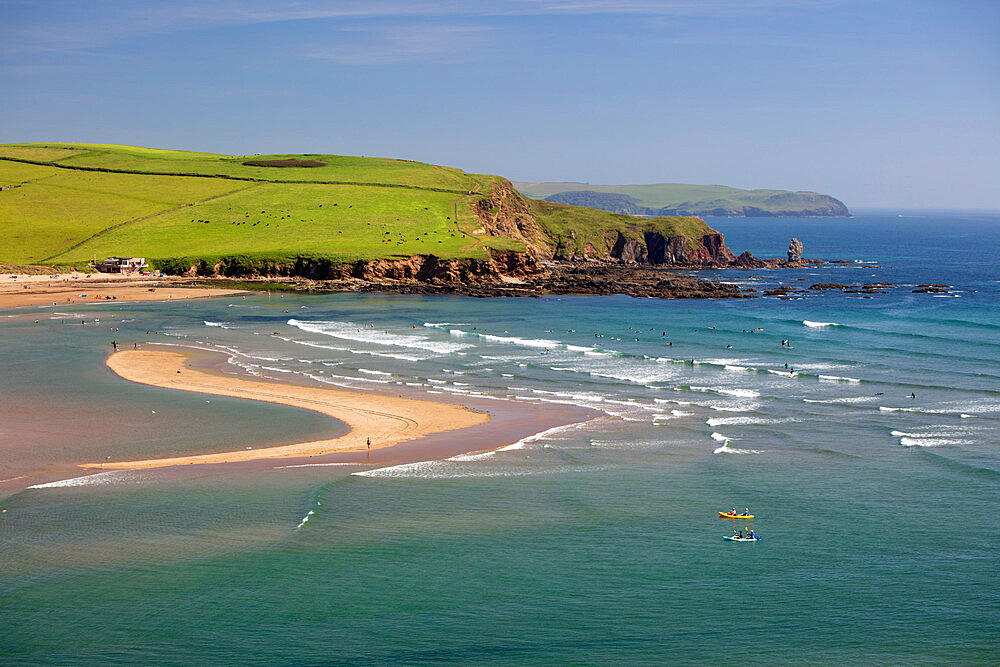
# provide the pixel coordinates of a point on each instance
(654, 248)
(423, 268)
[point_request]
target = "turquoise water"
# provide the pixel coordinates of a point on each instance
(592, 543)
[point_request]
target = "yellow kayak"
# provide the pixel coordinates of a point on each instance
(727, 515)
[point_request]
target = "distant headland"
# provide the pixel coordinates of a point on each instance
(665, 199)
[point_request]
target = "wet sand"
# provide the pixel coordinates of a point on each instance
(36, 290)
(387, 420)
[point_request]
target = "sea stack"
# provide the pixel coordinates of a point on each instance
(795, 250)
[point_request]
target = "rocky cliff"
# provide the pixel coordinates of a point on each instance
(421, 268)
(507, 214)
(655, 248)
(564, 232)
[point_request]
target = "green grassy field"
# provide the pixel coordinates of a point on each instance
(43, 219)
(43, 152)
(14, 173)
(342, 221)
(350, 208)
(339, 168)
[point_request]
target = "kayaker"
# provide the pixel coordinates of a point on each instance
(746, 512)
(733, 511)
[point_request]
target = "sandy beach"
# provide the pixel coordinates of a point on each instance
(19, 290)
(387, 420)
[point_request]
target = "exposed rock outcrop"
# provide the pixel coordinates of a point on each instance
(795, 250)
(633, 280)
(421, 268)
(654, 248)
(558, 278)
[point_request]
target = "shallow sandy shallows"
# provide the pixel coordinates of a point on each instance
(387, 420)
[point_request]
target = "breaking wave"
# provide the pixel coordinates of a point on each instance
(101, 478)
(838, 378)
(739, 421)
(304, 519)
(362, 334)
(739, 393)
(726, 449)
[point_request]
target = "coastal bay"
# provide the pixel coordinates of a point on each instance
(618, 428)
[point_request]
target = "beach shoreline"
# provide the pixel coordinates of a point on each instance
(32, 290)
(508, 423)
(383, 420)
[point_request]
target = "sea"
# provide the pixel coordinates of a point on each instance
(861, 430)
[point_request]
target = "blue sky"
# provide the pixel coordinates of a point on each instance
(878, 102)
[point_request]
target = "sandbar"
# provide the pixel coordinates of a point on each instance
(387, 420)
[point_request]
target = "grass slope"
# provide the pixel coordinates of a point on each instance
(338, 221)
(67, 203)
(41, 220)
(573, 227)
(337, 168)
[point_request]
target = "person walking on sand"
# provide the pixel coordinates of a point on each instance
(369, 446)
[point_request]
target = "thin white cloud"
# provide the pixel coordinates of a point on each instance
(58, 25)
(401, 43)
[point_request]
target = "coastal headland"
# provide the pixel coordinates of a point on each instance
(385, 420)
(352, 222)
